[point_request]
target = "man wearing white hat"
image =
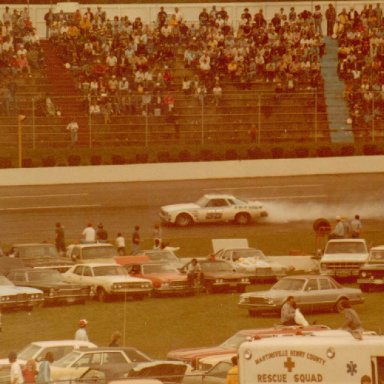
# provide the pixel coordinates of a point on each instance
(81, 333)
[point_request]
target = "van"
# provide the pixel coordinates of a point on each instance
(330, 357)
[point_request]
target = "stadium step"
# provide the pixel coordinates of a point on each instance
(337, 108)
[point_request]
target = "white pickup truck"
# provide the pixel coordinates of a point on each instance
(343, 258)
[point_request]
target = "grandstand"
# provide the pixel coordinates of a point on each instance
(173, 81)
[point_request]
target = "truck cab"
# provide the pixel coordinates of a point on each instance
(343, 258)
(330, 357)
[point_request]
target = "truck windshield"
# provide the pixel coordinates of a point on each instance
(98, 252)
(345, 247)
(377, 256)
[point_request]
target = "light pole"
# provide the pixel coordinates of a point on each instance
(20, 118)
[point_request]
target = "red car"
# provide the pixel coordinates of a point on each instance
(166, 279)
(231, 345)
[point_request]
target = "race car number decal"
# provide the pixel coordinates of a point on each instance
(214, 215)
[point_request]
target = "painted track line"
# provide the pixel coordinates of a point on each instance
(51, 207)
(266, 187)
(43, 196)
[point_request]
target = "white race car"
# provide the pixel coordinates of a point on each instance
(212, 208)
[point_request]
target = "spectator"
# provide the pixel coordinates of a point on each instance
(44, 375)
(356, 227)
(60, 239)
(352, 321)
(81, 333)
(120, 244)
(288, 312)
(136, 240)
(16, 375)
(338, 231)
(101, 234)
(73, 128)
(233, 372)
(89, 234)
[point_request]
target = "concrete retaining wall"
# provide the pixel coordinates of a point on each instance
(189, 171)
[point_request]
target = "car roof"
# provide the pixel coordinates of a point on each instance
(288, 329)
(95, 264)
(92, 245)
(219, 195)
(20, 245)
(97, 349)
(354, 240)
(81, 344)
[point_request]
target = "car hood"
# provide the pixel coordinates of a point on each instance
(166, 277)
(122, 279)
(192, 353)
(224, 275)
(164, 370)
(13, 290)
(271, 294)
(60, 373)
(48, 285)
(179, 207)
(344, 257)
(253, 263)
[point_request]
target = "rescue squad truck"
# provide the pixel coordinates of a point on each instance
(309, 359)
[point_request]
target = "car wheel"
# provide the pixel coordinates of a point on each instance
(183, 220)
(339, 307)
(102, 296)
(242, 218)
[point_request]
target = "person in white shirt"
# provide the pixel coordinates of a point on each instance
(81, 333)
(16, 375)
(120, 244)
(89, 234)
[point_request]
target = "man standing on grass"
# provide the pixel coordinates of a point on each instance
(73, 128)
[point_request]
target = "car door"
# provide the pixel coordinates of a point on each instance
(214, 210)
(88, 277)
(328, 292)
(91, 359)
(114, 357)
(76, 276)
(217, 374)
(309, 297)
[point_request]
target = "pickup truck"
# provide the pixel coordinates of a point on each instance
(92, 252)
(371, 276)
(343, 258)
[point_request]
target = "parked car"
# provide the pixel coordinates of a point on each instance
(192, 356)
(154, 255)
(213, 208)
(42, 255)
(218, 276)
(371, 274)
(51, 282)
(166, 371)
(13, 297)
(215, 375)
(253, 262)
(108, 281)
(92, 252)
(72, 365)
(311, 293)
(37, 351)
(166, 279)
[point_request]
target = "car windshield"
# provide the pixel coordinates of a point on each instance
(345, 247)
(37, 251)
(289, 284)
(246, 253)
(67, 360)
(99, 252)
(158, 268)
(161, 255)
(216, 266)
(377, 255)
(5, 281)
(110, 270)
(29, 352)
(234, 341)
(41, 275)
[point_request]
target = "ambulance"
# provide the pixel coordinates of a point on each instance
(332, 357)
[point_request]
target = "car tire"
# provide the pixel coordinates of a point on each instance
(183, 220)
(242, 218)
(102, 295)
(339, 307)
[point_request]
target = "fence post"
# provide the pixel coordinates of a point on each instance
(146, 125)
(90, 130)
(316, 117)
(202, 118)
(33, 124)
(258, 119)
(373, 117)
